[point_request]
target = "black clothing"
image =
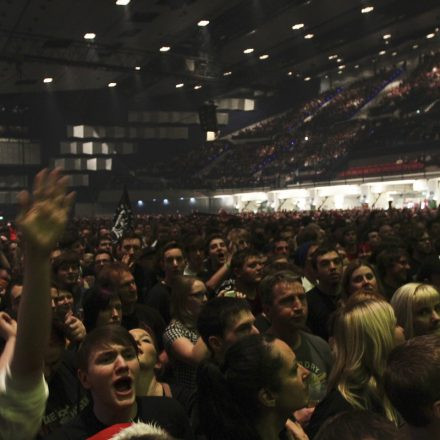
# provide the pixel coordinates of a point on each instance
(165, 412)
(159, 298)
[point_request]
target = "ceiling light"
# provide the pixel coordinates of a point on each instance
(341, 67)
(434, 69)
(415, 46)
(112, 84)
(297, 26)
(394, 54)
(89, 36)
(308, 36)
(332, 57)
(203, 23)
(357, 66)
(386, 36)
(367, 9)
(307, 78)
(290, 73)
(249, 50)
(339, 60)
(164, 48)
(197, 87)
(227, 73)
(137, 68)
(47, 80)
(122, 2)
(382, 52)
(432, 35)
(264, 57)
(179, 86)
(340, 72)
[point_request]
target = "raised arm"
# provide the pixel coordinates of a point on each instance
(42, 220)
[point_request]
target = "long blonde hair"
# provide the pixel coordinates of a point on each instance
(363, 338)
(407, 298)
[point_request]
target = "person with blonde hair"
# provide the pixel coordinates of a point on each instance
(365, 331)
(417, 309)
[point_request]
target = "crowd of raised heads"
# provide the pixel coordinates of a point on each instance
(315, 325)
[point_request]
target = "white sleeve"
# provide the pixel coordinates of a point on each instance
(21, 411)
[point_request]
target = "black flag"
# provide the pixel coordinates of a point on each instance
(123, 217)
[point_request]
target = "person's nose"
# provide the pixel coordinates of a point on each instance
(120, 363)
(435, 316)
(115, 314)
(305, 373)
(254, 330)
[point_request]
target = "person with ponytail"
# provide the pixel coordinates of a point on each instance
(253, 393)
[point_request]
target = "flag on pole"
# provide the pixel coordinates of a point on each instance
(122, 220)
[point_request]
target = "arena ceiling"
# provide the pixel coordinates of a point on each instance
(45, 39)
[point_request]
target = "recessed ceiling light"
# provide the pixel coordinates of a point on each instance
(290, 73)
(203, 23)
(264, 57)
(47, 80)
(432, 35)
(164, 48)
(111, 84)
(341, 67)
(297, 26)
(308, 36)
(415, 46)
(394, 54)
(357, 66)
(227, 73)
(386, 36)
(137, 68)
(197, 87)
(122, 2)
(249, 50)
(89, 36)
(332, 57)
(179, 86)
(307, 78)
(339, 60)
(382, 52)
(367, 9)
(340, 72)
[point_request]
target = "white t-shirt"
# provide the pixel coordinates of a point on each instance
(21, 411)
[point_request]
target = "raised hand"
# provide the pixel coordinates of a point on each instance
(44, 214)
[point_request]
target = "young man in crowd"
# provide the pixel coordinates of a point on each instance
(285, 305)
(219, 261)
(23, 392)
(412, 382)
(323, 299)
(108, 368)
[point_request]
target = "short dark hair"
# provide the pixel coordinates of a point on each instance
(130, 236)
(170, 245)
(239, 258)
(217, 314)
(270, 281)
(320, 251)
(68, 257)
(95, 300)
(105, 335)
(412, 378)
(388, 257)
(357, 425)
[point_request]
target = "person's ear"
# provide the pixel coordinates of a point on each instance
(84, 379)
(267, 398)
(216, 343)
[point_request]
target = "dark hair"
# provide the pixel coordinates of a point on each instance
(229, 395)
(239, 258)
(270, 281)
(195, 243)
(105, 335)
(130, 236)
(217, 314)
(357, 425)
(95, 300)
(213, 236)
(170, 245)
(69, 238)
(110, 275)
(412, 378)
(388, 257)
(320, 251)
(68, 257)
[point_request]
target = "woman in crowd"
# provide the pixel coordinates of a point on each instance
(183, 344)
(359, 275)
(364, 332)
(417, 309)
(254, 392)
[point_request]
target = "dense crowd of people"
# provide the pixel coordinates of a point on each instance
(313, 325)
